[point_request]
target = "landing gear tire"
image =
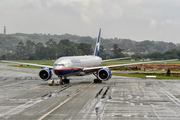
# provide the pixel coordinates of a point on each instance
(62, 82)
(66, 81)
(97, 81)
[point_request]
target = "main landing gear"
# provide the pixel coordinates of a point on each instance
(97, 80)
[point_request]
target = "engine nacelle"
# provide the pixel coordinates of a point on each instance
(45, 74)
(104, 74)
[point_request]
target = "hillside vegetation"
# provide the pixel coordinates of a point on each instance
(9, 42)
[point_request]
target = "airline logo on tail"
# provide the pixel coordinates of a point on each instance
(96, 51)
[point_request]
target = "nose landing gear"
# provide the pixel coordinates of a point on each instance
(56, 81)
(64, 81)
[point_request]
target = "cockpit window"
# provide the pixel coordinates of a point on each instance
(59, 65)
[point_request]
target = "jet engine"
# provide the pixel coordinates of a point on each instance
(104, 74)
(45, 74)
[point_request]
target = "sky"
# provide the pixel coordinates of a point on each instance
(139, 20)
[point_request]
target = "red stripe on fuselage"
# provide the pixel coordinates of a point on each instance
(73, 68)
(67, 69)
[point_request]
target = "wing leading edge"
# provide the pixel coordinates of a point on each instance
(30, 64)
(123, 65)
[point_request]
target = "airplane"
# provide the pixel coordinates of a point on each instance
(64, 67)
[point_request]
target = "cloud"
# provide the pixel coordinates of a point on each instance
(170, 22)
(89, 10)
(134, 19)
(153, 23)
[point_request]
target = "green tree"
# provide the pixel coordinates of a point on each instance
(21, 49)
(51, 53)
(136, 57)
(29, 47)
(102, 50)
(136, 68)
(40, 52)
(86, 49)
(102, 53)
(65, 42)
(116, 50)
(51, 43)
(168, 73)
(3, 57)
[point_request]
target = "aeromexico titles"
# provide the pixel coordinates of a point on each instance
(80, 66)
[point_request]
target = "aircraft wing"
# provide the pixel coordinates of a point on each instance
(116, 59)
(124, 65)
(29, 64)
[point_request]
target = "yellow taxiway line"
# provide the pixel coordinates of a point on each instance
(63, 103)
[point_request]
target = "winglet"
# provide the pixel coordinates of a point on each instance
(96, 50)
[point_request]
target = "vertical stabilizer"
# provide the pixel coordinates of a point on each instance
(96, 50)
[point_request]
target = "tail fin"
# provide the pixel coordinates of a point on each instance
(96, 50)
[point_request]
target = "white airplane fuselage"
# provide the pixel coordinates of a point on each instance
(74, 65)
